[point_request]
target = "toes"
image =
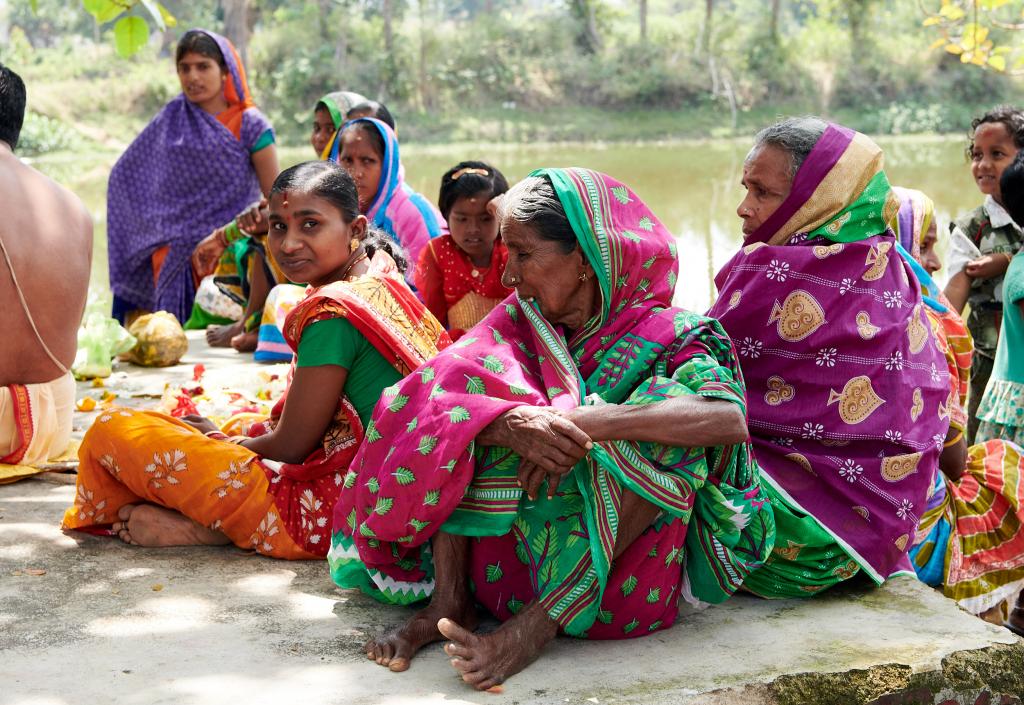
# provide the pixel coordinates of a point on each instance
(463, 665)
(404, 652)
(126, 511)
(457, 650)
(478, 679)
(453, 631)
(399, 664)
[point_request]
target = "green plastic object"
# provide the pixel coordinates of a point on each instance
(100, 339)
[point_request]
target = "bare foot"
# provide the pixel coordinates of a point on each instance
(245, 342)
(152, 526)
(485, 661)
(396, 648)
(220, 336)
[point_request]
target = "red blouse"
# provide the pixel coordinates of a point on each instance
(455, 290)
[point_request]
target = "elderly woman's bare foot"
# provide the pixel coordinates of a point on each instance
(245, 342)
(396, 648)
(220, 336)
(485, 661)
(153, 526)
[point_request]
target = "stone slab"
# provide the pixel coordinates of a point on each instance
(110, 623)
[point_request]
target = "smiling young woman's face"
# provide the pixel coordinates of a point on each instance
(309, 239)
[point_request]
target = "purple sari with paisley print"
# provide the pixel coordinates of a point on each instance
(847, 388)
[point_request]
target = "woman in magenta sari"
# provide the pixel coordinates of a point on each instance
(577, 464)
(847, 388)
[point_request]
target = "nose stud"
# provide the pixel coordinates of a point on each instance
(513, 280)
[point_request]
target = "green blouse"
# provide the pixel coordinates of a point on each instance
(1009, 363)
(335, 341)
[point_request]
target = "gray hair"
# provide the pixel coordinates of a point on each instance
(795, 136)
(533, 202)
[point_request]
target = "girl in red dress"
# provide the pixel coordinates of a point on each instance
(459, 275)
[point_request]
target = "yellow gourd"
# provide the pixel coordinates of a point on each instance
(161, 340)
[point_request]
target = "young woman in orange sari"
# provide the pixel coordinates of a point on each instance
(158, 481)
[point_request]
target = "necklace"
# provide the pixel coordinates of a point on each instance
(358, 257)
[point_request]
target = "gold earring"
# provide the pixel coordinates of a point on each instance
(583, 276)
(353, 245)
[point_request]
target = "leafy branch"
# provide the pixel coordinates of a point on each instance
(131, 32)
(966, 29)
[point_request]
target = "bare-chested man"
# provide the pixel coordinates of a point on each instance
(45, 256)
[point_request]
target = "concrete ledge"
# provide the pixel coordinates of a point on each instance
(112, 623)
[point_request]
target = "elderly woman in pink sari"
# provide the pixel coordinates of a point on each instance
(577, 463)
(847, 387)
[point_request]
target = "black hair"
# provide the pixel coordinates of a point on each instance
(330, 181)
(12, 106)
(1011, 186)
(196, 41)
(469, 183)
(533, 202)
(370, 130)
(372, 108)
(1010, 117)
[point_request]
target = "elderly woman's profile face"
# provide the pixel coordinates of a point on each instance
(562, 285)
(767, 180)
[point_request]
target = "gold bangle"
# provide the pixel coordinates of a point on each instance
(954, 440)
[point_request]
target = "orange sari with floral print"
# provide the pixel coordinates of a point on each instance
(277, 509)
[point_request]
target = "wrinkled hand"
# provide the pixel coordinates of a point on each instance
(548, 443)
(255, 219)
(988, 266)
(200, 423)
(207, 253)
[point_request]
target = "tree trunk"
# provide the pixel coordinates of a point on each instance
(386, 16)
(236, 25)
(426, 98)
(643, 20)
(590, 37)
(774, 27)
(705, 45)
(389, 49)
(858, 16)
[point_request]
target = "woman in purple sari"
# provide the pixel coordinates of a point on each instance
(847, 388)
(205, 157)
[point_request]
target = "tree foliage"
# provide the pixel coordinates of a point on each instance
(980, 32)
(472, 61)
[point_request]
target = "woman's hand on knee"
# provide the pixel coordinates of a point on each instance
(200, 423)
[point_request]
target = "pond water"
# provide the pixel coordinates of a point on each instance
(693, 187)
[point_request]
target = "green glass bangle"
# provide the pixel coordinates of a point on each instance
(232, 233)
